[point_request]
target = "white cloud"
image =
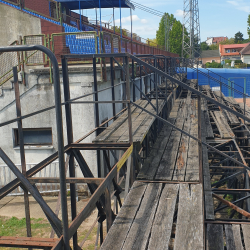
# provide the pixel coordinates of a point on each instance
(144, 21)
(241, 5)
(233, 3)
(179, 13)
(127, 19)
(244, 8)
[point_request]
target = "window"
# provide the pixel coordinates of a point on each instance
(34, 136)
(234, 50)
(228, 51)
(212, 60)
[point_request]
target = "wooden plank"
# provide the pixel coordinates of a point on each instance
(208, 199)
(181, 161)
(139, 233)
(205, 116)
(117, 123)
(246, 235)
(214, 237)
(167, 164)
(207, 89)
(209, 207)
(222, 124)
(146, 124)
(229, 237)
(141, 124)
(231, 117)
(117, 133)
(122, 224)
(162, 226)
(231, 100)
(151, 164)
(192, 170)
(189, 228)
(237, 237)
(13, 241)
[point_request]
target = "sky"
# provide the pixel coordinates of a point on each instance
(217, 17)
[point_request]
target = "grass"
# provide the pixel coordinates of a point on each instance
(40, 228)
(229, 197)
(17, 227)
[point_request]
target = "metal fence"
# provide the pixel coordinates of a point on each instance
(52, 170)
(7, 61)
(35, 57)
(85, 42)
(74, 43)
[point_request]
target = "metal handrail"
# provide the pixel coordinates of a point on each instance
(223, 78)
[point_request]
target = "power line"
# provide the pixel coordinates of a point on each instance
(147, 9)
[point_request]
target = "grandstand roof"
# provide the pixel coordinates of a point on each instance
(90, 4)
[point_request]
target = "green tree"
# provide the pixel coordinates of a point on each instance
(228, 41)
(117, 30)
(238, 37)
(160, 33)
(175, 38)
(204, 46)
(214, 46)
(213, 65)
(152, 42)
(175, 33)
(248, 26)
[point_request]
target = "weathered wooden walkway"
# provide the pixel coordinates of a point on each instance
(156, 215)
(168, 207)
(175, 155)
(163, 208)
(141, 123)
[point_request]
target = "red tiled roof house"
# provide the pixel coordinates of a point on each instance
(231, 51)
(245, 54)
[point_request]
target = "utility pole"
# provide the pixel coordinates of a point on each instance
(167, 29)
(165, 22)
(191, 29)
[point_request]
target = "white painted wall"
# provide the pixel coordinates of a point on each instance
(209, 41)
(245, 59)
(39, 94)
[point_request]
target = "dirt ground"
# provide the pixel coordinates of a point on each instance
(12, 221)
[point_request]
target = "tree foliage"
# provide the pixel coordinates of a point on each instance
(160, 33)
(117, 30)
(228, 41)
(152, 42)
(213, 65)
(238, 37)
(175, 38)
(175, 33)
(204, 46)
(248, 26)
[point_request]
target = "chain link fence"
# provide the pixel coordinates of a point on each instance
(35, 57)
(8, 60)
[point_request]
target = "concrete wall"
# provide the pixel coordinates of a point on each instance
(210, 59)
(38, 94)
(15, 23)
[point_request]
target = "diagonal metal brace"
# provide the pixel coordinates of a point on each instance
(32, 190)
